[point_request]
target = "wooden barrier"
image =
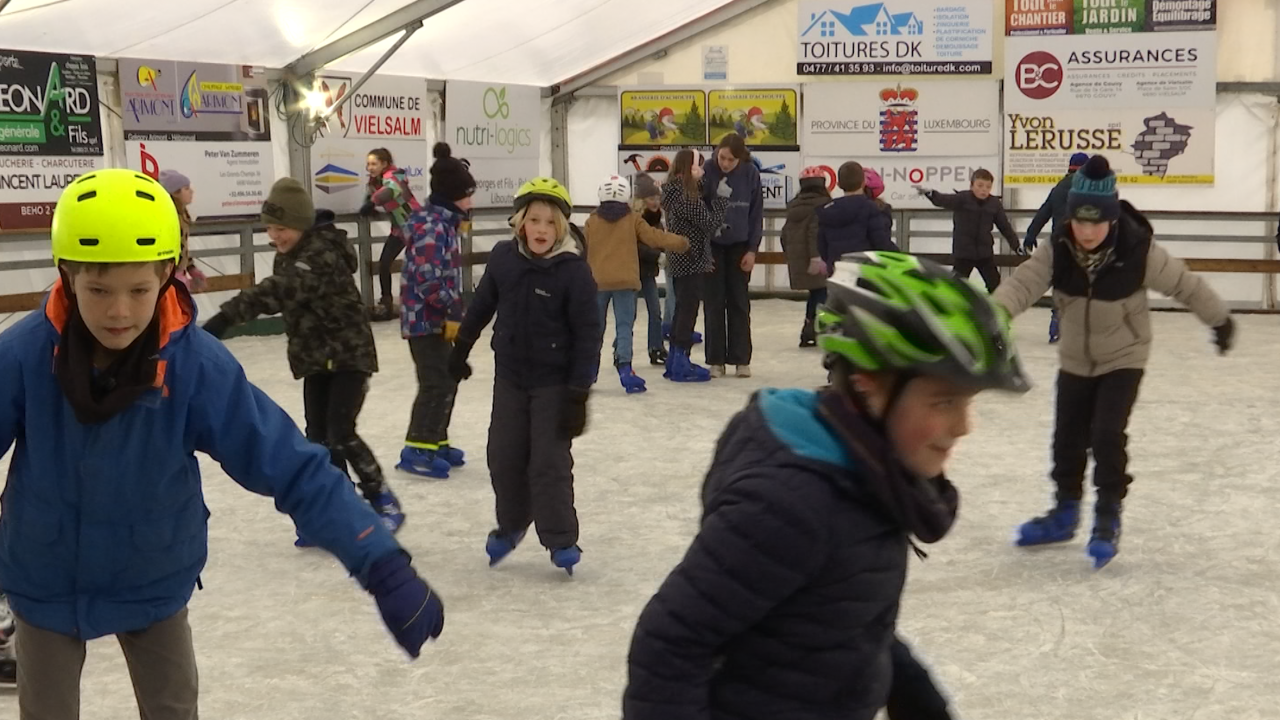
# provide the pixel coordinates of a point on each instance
(22, 302)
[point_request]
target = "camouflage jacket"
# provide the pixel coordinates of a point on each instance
(313, 287)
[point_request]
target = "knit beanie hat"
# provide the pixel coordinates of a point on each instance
(173, 181)
(1093, 196)
(450, 177)
(1077, 161)
(645, 186)
(288, 205)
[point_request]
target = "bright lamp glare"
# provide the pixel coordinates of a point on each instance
(316, 101)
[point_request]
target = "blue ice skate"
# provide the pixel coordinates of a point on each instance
(388, 508)
(423, 462)
(499, 546)
(1105, 542)
(452, 455)
(566, 557)
(1059, 525)
(680, 369)
(696, 338)
(1053, 327)
(631, 382)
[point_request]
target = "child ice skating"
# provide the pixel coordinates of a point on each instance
(1100, 264)
(851, 223)
(330, 344)
(111, 391)
(546, 347)
(974, 211)
(805, 268)
(388, 190)
(1053, 208)
(694, 218)
(614, 231)
(648, 202)
(179, 188)
(430, 310)
(784, 606)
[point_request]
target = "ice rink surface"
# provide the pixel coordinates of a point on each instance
(1182, 626)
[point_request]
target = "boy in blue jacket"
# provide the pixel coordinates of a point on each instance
(109, 391)
(853, 223)
(785, 604)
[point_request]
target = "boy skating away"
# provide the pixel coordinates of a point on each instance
(330, 344)
(1100, 265)
(1054, 208)
(851, 223)
(430, 310)
(805, 268)
(974, 211)
(614, 231)
(546, 348)
(784, 605)
(110, 390)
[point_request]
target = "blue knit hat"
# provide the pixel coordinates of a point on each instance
(1077, 160)
(1093, 196)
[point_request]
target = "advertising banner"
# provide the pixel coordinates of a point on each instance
(901, 174)
(864, 119)
(50, 132)
(764, 117)
(1132, 79)
(898, 37)
(660, 118)
(779, 171)
(497, 128)
(387, 112)
(208, 122)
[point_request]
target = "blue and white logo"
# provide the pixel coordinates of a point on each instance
(870, 20)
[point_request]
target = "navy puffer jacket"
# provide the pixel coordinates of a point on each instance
(785, 604)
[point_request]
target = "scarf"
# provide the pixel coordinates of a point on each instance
(925, 508)
(98, 395)
(1094, 260)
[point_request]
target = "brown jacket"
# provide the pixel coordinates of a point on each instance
(800, 238)
(611, 248)
(1105, 320)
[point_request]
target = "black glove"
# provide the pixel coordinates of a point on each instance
(411, 610)
(459, 368)
(218, 325)
(1223, 335)
(367, 209)
(573, 416)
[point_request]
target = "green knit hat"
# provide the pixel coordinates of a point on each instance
(289, 205)
(1093, 196)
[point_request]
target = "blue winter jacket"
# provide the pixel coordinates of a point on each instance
(744, 219)
(431, 281)
(853, 223)
(103, 528)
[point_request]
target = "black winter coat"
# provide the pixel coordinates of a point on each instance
(1053, 208)
(313, 288)
(548, 329)
(649, 257)
(784, 605)
(849, 224)
(971, 221)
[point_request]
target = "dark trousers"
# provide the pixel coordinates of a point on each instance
(817, 296)
(390, 251)
(1092, 414)
(986, 268)
(653, 311)
(688, 298)
(728, 308)
(331, 403)
(530, 466)
(433, 407)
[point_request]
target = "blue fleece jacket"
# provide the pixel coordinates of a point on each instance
(745, 217)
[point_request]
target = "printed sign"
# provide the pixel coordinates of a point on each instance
(208, 122)
(898, 37)
(50, 132)
(1086, 17)
(387, 112)
(902, 174)
(498, 129)
(1143, 146)
(779, 171)
(868, 119)
(761, 117)
(656, 118)
(715, 62)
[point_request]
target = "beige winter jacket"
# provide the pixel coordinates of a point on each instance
(612, 248)
(1105, 323)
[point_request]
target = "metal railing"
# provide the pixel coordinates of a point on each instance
(911, 230)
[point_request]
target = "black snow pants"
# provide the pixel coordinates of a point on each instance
(331, 403)
(433, 406)
(1093, 414)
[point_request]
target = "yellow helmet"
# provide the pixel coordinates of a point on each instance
(544, 188)
(115, 216)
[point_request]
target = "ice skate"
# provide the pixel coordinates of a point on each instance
(808, 337)
(499, 546)
(681, 370)
(1053, 327)
(424, 463)
(566, 557)
(1058, 525)
(1105, 542)
(631, 382)
(658, 356)
(452, 455)
(388, 508)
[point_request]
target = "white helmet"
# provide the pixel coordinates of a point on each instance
(615, 189)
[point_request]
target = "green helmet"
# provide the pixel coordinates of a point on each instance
(544, 188)
(889, 311)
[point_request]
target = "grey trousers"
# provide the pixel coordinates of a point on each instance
(161, 660)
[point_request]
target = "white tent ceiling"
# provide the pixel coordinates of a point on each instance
(538, 42)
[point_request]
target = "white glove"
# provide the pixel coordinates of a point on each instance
(723, 189)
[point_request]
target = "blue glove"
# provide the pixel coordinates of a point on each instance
(412, 611)
(1030, 244)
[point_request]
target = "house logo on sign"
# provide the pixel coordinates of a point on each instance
(874, 19)
(899, 120)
